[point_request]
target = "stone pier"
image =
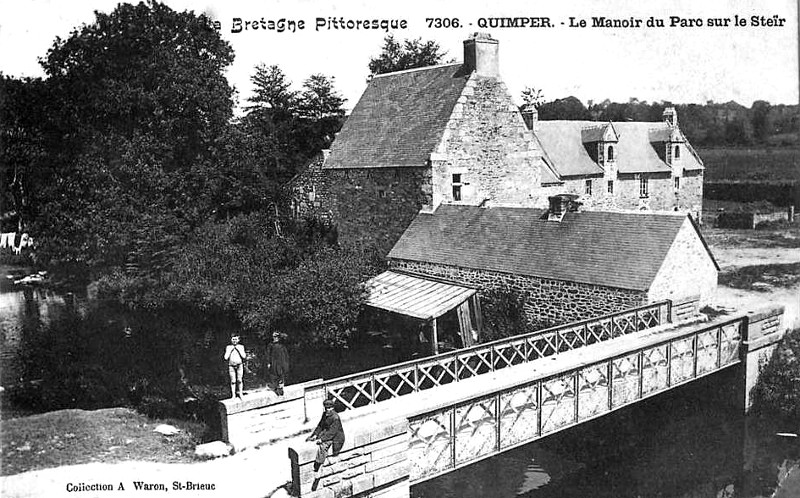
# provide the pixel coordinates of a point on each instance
(762, 331)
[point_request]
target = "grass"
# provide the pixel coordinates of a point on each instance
(756, 164)
(762, 277)
(778, 236)
(69, 437)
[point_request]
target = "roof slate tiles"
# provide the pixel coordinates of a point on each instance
(615, 249)
(636, 152)
(399, 119)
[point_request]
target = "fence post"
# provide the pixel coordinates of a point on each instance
(372, 389)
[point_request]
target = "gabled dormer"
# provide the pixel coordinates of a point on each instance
(601, 143)
(675, 143)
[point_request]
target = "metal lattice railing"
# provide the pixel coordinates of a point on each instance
(456, 435)
(374, 386)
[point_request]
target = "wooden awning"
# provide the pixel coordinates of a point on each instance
(414, 296)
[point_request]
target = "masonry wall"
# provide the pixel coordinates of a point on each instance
(662, 193)
(372, 463)
(687, 270)
(488, 144)
(552, 301)
(369, 206)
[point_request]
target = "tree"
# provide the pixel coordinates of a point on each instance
(761, 120)
(532, 96)
(142, 99)
(271, 89)
(410, 54)
(566, 108)
(292, 125)
(24, 134)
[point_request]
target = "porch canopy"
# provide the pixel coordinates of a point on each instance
(414, 296)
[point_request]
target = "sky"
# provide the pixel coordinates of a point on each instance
(680, 64)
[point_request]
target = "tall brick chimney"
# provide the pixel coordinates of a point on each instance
(561, 204)
(481, 55)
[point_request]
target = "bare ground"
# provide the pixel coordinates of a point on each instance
(767, 260)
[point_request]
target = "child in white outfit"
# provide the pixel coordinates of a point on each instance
(235, 356)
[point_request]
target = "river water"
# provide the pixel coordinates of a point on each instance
(687, 443)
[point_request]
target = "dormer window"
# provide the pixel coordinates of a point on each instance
(677, 152)
(610, 152)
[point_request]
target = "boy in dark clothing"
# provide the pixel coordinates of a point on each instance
(329, 432)
(277, 362)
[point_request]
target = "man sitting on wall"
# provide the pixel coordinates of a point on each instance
(329, 432)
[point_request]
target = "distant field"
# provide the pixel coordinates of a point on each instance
(752, 164)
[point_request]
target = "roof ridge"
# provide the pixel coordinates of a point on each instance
(404, 71)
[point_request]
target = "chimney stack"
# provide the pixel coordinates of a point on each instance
(561, 204)
(481, 55)
(671, 116)
(531, 116)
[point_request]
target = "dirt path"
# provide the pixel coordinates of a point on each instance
(734, 257)
(742, 300)
(250, 474)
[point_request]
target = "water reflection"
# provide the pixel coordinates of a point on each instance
(25, 310)
(693, 442)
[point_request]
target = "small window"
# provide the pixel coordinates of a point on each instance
(457, 186)
(677, 183)
(643, 187)
(611, 186)
(677, 152)
(610, 152)
(588, 187)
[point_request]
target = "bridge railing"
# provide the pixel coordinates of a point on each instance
(380, 384)
(457, 435)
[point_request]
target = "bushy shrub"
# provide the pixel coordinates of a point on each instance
(503, 314)
(778, 388)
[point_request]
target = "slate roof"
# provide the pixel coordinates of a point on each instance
(399, 119)
(615, 249)
(639, 150)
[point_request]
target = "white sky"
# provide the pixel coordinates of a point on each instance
(682, 65)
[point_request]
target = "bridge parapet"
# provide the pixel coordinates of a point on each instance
(381, 384)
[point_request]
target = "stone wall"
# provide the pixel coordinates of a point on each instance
(487, 143)
(257, 418)
(752, 220)
(552, 301)
(687, 270)
(373, 462)
(762, 333)
(369, 206)
(662, 193)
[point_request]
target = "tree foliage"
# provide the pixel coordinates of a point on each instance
(300, 282)
(566, 108)
(137, 101)
(292, 125)
(408, 54)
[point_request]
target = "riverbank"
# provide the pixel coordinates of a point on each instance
(111, 435)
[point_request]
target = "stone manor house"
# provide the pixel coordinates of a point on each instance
(462, 191)
(451, 134)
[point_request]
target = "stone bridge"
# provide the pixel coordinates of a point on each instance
(510, 393)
